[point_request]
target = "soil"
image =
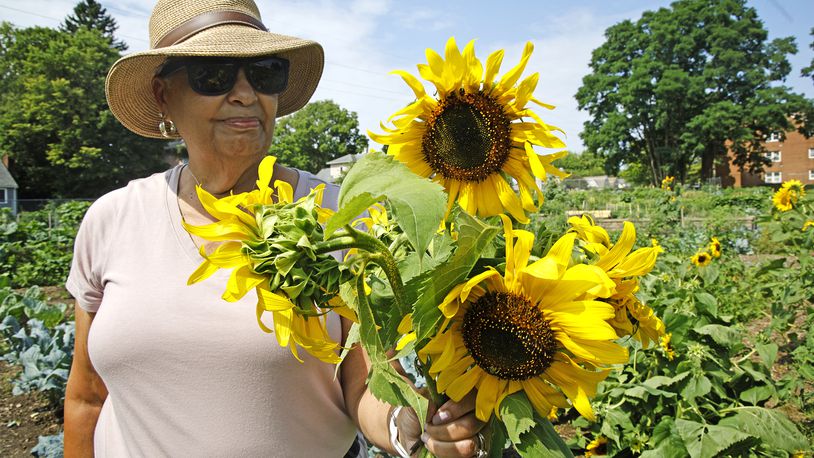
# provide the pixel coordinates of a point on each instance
(23, 418)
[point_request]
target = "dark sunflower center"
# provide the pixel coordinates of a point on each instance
(508, 336)
(467, 138)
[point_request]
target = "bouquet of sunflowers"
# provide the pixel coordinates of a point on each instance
(441, 270)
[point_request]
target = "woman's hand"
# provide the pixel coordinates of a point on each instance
(452, 431)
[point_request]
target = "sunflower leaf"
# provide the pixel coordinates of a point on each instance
(418, 204)
(517, 415)
(383, 381)
(542, 441)
(427, 290)
(771, 426)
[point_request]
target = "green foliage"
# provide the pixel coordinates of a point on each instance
(90, 14)
(318, 133)
(417, 203)
(583, 164)
(682, 84)
(809, 71)
(37, 249)
(54, 121)
(37, 338)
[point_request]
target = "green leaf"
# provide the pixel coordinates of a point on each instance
(757, 394)
(768, 353)
(707, 441)
(348, 211)
(707, 303)
(696, 387)
(418, 204)
(542, 442)
(722, 335)
(666, 441)
(430, 288)
(517, 415)
(772, 427)
(384, 382)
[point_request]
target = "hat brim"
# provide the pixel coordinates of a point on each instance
(129, 83)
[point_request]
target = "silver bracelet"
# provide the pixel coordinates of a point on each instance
(394, 434)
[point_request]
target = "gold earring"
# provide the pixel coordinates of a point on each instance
(167, 127)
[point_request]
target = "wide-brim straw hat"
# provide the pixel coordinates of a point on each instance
(228, 28)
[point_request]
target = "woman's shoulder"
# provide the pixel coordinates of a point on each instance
(135, 192)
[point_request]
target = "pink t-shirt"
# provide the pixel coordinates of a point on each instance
(189, 374)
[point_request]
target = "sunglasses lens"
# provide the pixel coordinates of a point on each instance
(269, 76)
(212, 79)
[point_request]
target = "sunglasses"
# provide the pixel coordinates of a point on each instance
(217, 75)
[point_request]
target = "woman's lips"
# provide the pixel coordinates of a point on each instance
(242, 123)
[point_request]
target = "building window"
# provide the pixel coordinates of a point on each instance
(3, 198)
(773, 156)
(811, 153)
(773, 177)
(811, 175)
(774, 137)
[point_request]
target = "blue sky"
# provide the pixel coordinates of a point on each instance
(365, 39)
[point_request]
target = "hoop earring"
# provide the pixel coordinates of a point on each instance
(167, 127)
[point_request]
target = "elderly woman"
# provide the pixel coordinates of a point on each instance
(165, 369)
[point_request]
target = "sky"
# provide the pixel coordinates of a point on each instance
(366, 39)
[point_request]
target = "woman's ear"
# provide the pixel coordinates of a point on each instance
(160, 87)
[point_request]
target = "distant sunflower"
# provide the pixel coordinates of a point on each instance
(246, 226)
(788, 195)
(477, 132)
(807, 224)
(538, 328)
(667, 182)
(701, 259)
(632, 317)
(715, 247)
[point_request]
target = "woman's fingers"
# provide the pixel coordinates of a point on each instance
(452, 410)
(458, 429)
(458, 449)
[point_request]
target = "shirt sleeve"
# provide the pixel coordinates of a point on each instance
(86, 277)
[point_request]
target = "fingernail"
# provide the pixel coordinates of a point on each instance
(440, 417)
(425, 437)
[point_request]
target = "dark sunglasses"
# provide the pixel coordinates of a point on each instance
(217, 75)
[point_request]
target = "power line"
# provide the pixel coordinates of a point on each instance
(61, 20)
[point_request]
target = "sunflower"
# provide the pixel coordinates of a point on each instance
(701, 259)
(667, 182)
(632, 317)
(249, 226)
(715, 247)
(477, 132)
(667, 347)
(782, 200)
(538, 328)
(807, 224)
(596, 447)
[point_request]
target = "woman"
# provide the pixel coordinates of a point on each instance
(165, 369)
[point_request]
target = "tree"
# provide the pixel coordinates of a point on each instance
(92, 15)
(809, 71)
(54, 121)
(585, 164)
(687, 84)
(318, 133)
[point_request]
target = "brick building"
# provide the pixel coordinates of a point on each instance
(792, 159)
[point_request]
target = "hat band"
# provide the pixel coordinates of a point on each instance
(204, 21)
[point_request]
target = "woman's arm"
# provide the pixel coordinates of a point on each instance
(84, 394)
(450, 434)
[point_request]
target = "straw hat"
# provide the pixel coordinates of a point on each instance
(206, 28)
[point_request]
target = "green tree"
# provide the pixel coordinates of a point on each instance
(318, 133)
(585, 164)
(809, 71)
(683, 84)
(54, 121)
(92, 15)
